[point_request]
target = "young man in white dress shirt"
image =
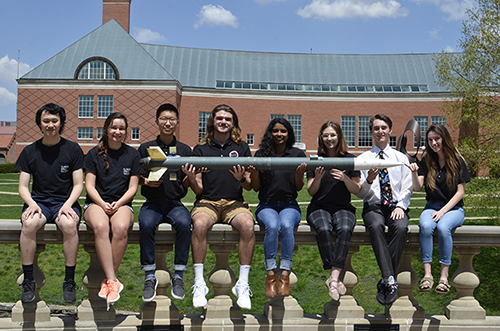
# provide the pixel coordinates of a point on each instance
(386, 202)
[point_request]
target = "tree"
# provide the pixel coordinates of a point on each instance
(473, 78)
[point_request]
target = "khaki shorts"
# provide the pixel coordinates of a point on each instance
(222, 210)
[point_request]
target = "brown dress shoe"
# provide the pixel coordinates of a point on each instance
(271, 286)
(283, 288)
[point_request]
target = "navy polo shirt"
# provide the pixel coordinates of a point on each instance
(171, 188)
(221, 184)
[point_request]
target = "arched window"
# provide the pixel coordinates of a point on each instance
(97, 68)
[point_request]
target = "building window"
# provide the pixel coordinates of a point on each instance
(393, 141)
(364, 134)
(273, 116)
(136, 134)
(423, 122)
(348, 124)
(86, 106)
(296, 122)
(99, 133)
(85, 133)
(104, 106)
(202, 124)
(438, 120)
(250, 139)
(97, 69)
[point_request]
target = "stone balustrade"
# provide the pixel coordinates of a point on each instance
(221, 312)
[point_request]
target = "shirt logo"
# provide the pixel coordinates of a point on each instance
(233, 154)
(126, 171)
(64, 169)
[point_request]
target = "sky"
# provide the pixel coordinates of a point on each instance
(32, 31)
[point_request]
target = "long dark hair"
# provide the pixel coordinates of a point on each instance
(266, 147)
(451, 154)
(235, 131)
(341, 147)
(102, 146)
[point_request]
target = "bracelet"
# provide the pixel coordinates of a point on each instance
(244, 179)
(369, 183)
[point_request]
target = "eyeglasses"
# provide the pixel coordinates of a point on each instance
(328, 135)
(171, 120)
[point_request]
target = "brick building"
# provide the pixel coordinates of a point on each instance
(107, 71)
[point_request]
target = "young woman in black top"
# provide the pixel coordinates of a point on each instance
(112, 177)
(330, 208)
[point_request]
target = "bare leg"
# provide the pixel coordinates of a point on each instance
(120, 224)
(27, 239)
(202, 222)
(244, 223)
(69, 230)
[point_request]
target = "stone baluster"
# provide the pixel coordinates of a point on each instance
(465, 280)
(347, 306)
(406, 306)
(222, 278)
(161, 309)
(93, 308)
(36, 311)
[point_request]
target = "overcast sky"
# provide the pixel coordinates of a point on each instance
(42, 28)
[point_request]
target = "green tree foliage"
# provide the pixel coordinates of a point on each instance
(473, 78)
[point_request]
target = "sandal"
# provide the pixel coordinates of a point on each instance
(426, 284)
(335, 291)
(443, 287)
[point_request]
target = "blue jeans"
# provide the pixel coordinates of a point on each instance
(154, 212)
(451, 220)
(278, 217)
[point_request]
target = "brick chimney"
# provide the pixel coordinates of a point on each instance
(117, 9)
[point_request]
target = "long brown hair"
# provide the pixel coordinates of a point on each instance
(341, 147)
(102, 146)
(451, 154)
(235, 131)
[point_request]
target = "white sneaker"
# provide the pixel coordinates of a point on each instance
(200, 290)
(243, 293)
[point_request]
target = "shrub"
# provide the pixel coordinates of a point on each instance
(8, 168)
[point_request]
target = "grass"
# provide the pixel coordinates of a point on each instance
(310, 291)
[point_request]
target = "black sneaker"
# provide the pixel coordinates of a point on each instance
(178, 288)
(28, 294)
(381, 288)
(69, 291)
(149, 292)
(391, 293)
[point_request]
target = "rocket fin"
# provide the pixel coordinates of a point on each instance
(156, 154)
(156, 173)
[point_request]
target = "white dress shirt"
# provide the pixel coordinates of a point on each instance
(400, 177)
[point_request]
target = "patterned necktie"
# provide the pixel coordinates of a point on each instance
(385, 185)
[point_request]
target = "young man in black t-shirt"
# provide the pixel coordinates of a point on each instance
(56, 166)
(163, 205)
(220, 199)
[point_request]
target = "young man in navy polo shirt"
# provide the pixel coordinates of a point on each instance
(163, 205)
(220, 199)
(56, 167)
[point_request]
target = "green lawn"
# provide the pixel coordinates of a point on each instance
(310, 290)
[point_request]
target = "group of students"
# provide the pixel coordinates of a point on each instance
(112, 177)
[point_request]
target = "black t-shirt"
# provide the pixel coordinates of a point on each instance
(280, 185)
(111, 184)
(332, 194)
(51, 167)
(221, 184)
(442, 193)
(172, 187)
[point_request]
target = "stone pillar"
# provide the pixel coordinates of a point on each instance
(36, 311)
(284, 307)
(406, 306)
(465, 280)
(347, 306)
(222, 278)
(93, 308)
(161, 310)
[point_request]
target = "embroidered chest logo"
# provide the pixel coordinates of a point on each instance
(64, 169)
(126, 171)
(233, 154)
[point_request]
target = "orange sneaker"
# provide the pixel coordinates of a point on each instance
(103, 293)
(115, 287)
